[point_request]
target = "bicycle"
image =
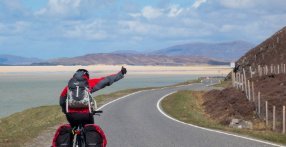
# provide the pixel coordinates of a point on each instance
(79, 134)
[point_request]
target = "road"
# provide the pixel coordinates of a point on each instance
(135, 121)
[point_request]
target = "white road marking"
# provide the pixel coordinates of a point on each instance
(120, 99)
(207, 129)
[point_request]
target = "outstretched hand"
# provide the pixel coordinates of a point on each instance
(123, 70)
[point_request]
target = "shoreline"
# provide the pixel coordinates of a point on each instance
(132, 70)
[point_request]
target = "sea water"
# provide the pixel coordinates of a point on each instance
(20, 91)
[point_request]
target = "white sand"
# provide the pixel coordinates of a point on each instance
(202, 70)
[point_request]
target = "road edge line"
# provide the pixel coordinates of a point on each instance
(207, 129)
(101, 107)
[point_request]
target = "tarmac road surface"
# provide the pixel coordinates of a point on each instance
(135, 121)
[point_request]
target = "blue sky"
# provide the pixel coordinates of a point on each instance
(65, 28)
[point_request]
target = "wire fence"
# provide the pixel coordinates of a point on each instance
(266, 108)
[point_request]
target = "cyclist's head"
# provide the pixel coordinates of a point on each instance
(84, 72)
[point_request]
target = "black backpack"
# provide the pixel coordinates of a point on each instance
(78, 95)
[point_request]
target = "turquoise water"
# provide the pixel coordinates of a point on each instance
(22, 91)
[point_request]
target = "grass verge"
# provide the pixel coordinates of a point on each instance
(22, 126)
(224, 84)
(187, 106)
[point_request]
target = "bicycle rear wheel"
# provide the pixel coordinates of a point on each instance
(74, 142)
(78, 141)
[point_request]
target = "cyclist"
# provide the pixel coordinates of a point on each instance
(76, 116)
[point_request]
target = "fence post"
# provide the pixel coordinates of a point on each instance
(250, 70)
(249, 92)
(245, 85)
(284, 68)
(283, 131)
(259, 103)
(233, 79)
(237, 79)
(274, 119)
(266, 112)
(253, 97)
(271, 69)
(278, 69)
(259, 70)
(242, 83)
(267, 70)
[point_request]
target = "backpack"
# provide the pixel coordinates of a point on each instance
(63, 136)
(78, 95)
(94, 136)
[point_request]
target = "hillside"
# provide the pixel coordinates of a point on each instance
(134, 59)
(271, 51)
(227, 51)
(271, 86)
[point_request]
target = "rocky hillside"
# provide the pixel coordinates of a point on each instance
(134, 59)
(271, 51)
(233, 103)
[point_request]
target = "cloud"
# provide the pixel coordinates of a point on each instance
(135, 27)
(151, 13)
(227, 28)
(175, 10)
(60, 8)
(198, 3)
(238, 3)
(135, 15)
(88, 30)
(14, 5)
(257, 4)
(146, 24)
(14, 28)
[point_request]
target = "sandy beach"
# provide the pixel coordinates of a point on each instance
(165, 70)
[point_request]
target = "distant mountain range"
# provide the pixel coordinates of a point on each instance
(17, 60)
(228, 51)
(185, 54)
(133, 59)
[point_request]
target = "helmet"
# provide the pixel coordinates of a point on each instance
(84, 71)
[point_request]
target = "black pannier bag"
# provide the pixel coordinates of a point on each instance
(94, 136)
(63, 136)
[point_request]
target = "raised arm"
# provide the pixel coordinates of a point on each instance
(109, 80)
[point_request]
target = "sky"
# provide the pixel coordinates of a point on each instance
(65, 28)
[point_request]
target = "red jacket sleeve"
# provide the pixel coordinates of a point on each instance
(63, 97)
